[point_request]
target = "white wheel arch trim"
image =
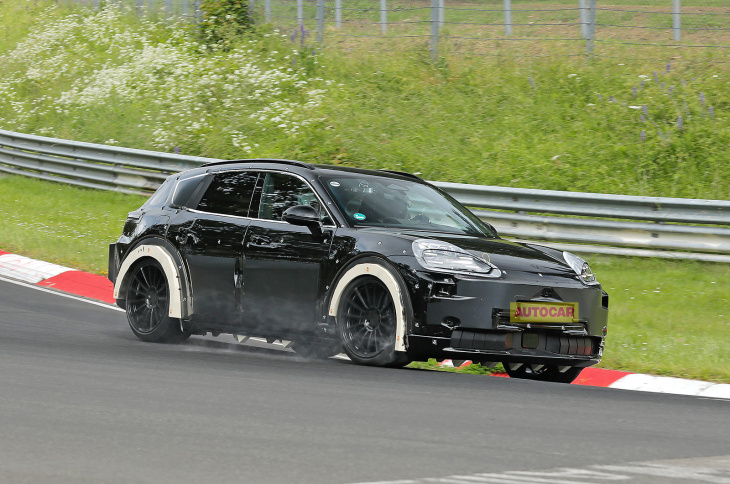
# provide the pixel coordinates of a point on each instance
(168, 266)
(389, 280)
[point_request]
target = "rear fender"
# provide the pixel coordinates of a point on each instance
(163, 257)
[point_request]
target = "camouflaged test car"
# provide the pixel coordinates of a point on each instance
(379, 264)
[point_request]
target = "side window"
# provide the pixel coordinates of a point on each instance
(282, 191)
(184, 191)
(229, 193)
(158, 199)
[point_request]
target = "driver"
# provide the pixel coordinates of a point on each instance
(391, 206)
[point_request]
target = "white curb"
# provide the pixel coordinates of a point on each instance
(676, 386)
(27, 269)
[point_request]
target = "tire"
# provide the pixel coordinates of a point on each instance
(367, 324)
(148, 303)
(546, 373)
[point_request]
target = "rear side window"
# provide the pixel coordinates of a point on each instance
(229, 194)
(158, 199)
(184, 190)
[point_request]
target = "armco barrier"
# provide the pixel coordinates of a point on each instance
(90, 165)
(618, 224)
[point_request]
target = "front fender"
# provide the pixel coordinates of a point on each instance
(371, 266)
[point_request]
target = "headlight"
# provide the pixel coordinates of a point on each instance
(444, 257)
(580, 267)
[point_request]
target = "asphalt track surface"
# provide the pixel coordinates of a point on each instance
(83, 401)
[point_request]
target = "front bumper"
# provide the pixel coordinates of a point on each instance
(469, 318)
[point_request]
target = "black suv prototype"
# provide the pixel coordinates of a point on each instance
(379, 264)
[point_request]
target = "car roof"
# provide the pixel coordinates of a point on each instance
(301, 167)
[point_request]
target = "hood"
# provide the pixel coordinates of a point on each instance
(505, 254)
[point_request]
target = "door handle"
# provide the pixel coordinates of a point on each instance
(261, 242)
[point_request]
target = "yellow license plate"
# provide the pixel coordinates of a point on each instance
(543, 312)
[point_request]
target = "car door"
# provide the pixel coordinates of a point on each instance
(210, 238)
(283, 262)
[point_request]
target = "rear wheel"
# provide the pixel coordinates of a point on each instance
(543, 372)
(148, 303)
(367, 324)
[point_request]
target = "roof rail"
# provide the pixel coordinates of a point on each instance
(402, 173)
(259, 160)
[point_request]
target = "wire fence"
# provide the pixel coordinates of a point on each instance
(604, 28)
(168, 9)
(521, 27)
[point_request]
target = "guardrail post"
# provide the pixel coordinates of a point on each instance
(338, 14)
(434, 43)
(442, 13)
(300, 13)
(267, 11)
(677, 19)
(507, 17)
(320, 21)
(383, 16)
(583, 19)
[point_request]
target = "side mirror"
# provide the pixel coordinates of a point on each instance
(305, 216)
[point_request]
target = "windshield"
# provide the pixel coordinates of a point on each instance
(375, 201)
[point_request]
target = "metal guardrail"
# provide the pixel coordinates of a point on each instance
(90, 165)
(599, 223)
(644, 222)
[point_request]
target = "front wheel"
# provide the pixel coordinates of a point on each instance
(543, 372)
(367, 324)
(148, 303)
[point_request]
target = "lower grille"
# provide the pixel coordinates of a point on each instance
(560, 344)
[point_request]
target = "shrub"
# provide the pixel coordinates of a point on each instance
(223, 21)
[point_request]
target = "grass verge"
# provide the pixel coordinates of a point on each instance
(473, 369)
(620, 125)
(667, 317)
(60, 223)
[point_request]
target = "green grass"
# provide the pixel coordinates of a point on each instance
(553, 123)
(487, 124)
(667, 317)
(61, 224)
(472, 369)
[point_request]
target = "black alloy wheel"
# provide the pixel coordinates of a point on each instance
(543, 373)
(148, 302)
(367, 323)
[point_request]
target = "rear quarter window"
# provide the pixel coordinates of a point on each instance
(184, 190)
(158, 199)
